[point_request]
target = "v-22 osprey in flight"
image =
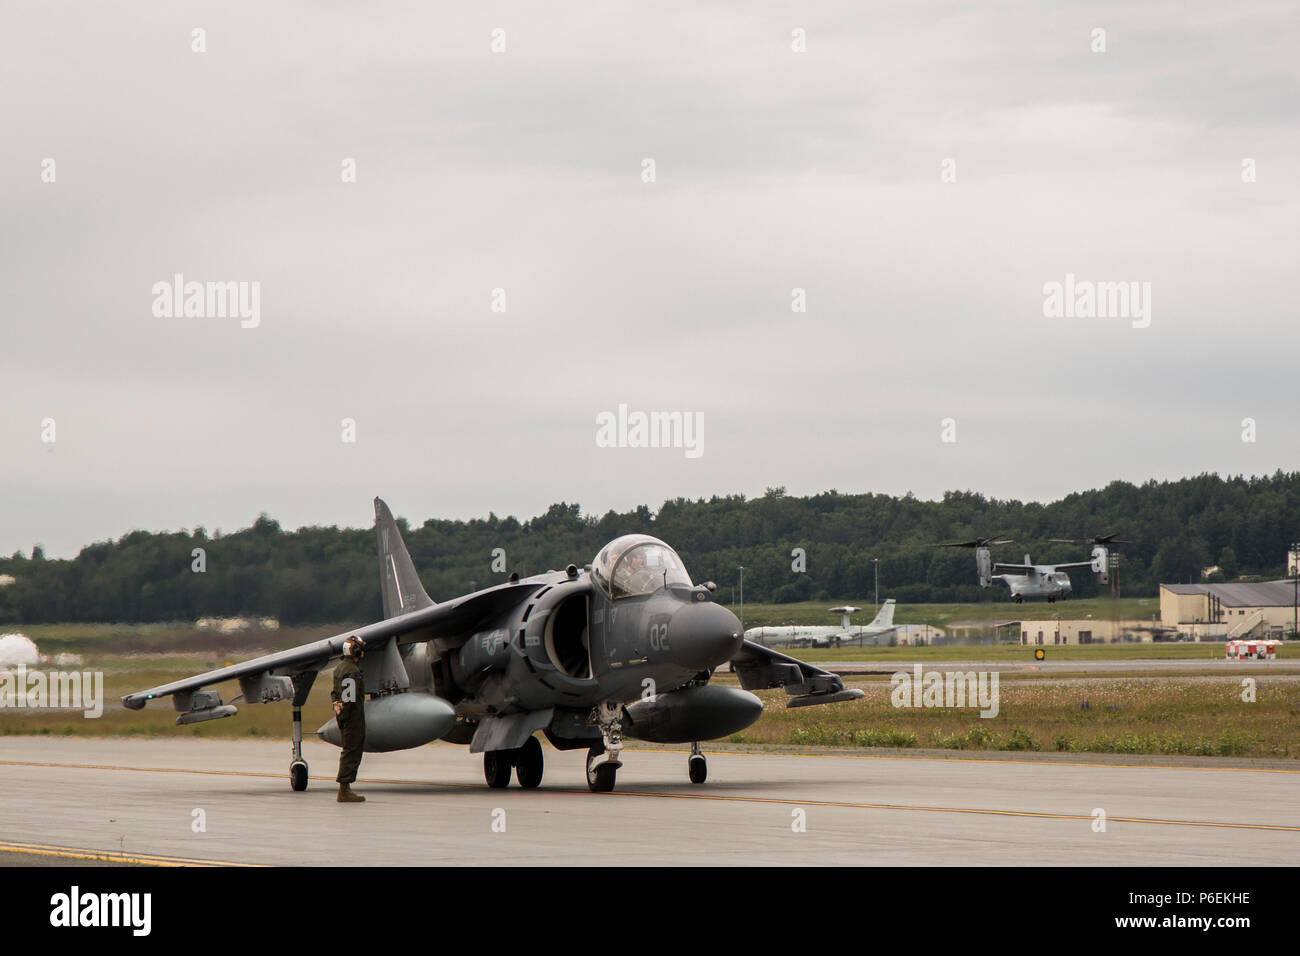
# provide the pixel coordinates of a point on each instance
(1029, 580)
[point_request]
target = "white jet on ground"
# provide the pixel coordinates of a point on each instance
(881, 627)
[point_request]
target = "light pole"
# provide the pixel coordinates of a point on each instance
(742, 599)
(1295, 573)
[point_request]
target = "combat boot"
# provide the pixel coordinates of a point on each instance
(347, 796)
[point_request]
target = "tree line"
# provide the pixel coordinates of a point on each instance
(792, 548)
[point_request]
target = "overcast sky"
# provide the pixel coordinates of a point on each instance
(522, 170)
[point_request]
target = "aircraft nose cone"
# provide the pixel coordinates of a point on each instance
(704, 635)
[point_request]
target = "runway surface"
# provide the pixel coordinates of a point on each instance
(137, 800)
(1217, 666)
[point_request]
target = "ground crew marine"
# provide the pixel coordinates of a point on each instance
(349, 696)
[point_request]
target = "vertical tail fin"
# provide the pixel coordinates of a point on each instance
(885, 616)
(398, 581)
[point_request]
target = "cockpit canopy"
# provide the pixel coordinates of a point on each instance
(637, 564)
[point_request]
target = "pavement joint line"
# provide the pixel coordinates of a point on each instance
(790, 801)
(733, 798)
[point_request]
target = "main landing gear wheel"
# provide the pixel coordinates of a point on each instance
(529, 764)
(298, 775)
(600, 776)
(496, 768)
(697, 767)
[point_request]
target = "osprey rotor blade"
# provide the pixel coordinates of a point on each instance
(975, 543)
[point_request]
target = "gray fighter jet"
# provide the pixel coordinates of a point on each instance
(624, 646)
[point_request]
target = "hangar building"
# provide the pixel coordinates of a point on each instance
(1231, 611)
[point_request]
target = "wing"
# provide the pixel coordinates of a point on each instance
(1073, 565)
(454, 620)
(760, 668)
(1000, 568)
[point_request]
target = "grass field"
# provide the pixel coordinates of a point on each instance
(160, 638)
(1201, 715)
(942, 615)
(756, 615)
(126, 639)
(1017, 652)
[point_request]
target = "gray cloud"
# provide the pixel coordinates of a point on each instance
(521, 171)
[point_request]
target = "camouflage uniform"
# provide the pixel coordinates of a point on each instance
(352, 719)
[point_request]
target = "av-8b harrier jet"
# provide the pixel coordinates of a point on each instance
(624, 646)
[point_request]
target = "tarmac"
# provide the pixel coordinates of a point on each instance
(176, 801)
(1217, 666)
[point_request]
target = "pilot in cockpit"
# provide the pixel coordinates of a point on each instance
(633, 577)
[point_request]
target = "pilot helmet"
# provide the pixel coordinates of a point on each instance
(354, 647)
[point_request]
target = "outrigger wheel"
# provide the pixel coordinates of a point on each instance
(697, 767)
(496, 768)
(297, 766)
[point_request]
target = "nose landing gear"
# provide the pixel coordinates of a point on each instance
(603, 759)
(601, 773)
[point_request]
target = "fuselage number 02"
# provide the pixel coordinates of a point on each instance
(659, 636)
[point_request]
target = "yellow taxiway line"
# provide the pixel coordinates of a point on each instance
(110, 856)
(1044, 763)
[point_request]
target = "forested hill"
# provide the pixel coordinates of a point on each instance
(1244, 525)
